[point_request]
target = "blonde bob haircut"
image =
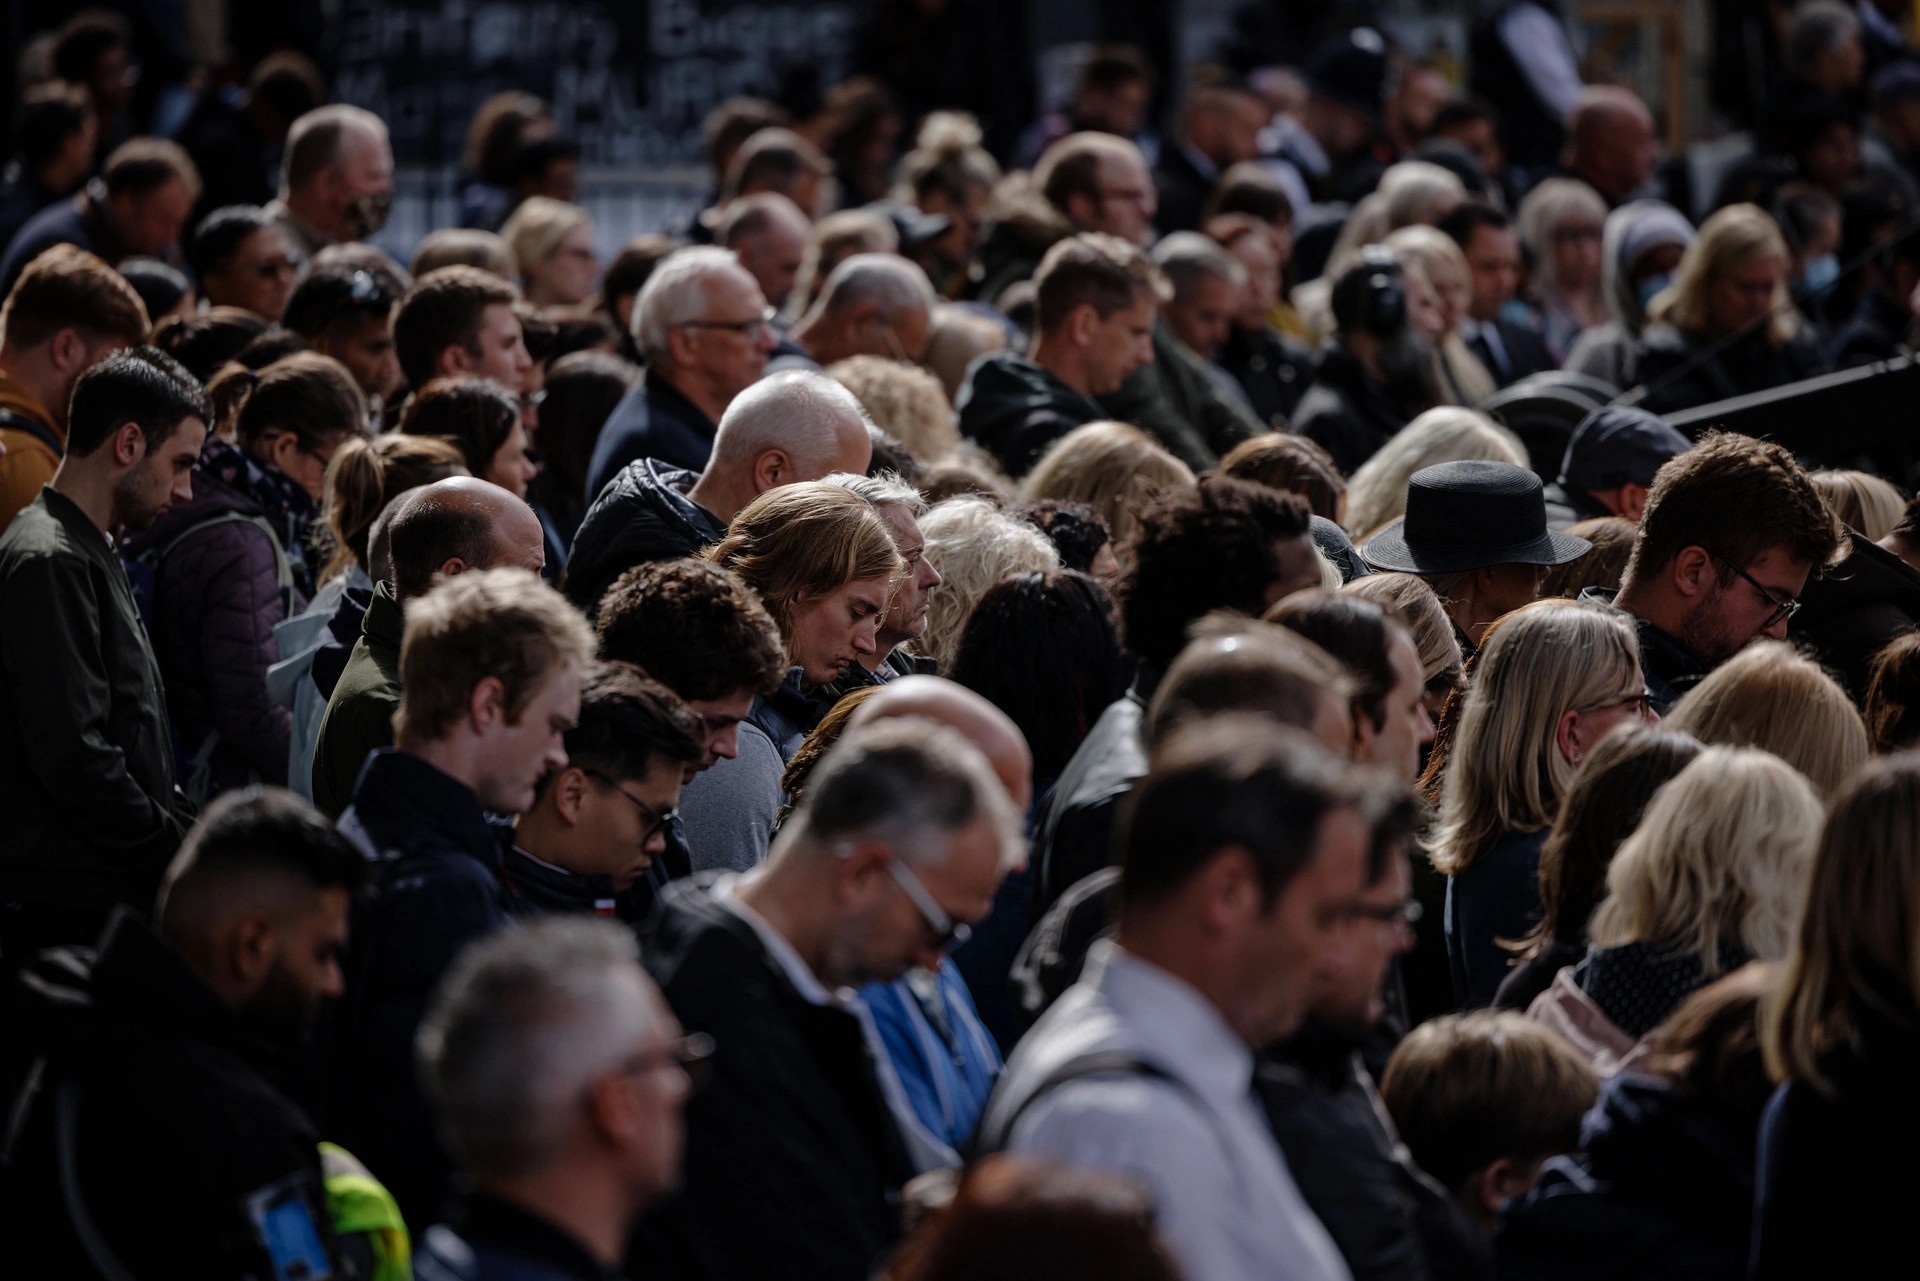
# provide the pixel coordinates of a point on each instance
(1719, 861)
(1860, 501)
(1114, 468)
(1377, 490)
(500, 623)
(1735, 237)
(800, 542)
(1858, 944)
(975, 546)
(1507, 772)
(1770, 697)
(537, 227)
(1441, 664)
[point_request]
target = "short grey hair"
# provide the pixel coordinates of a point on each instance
(909, 781)
(885, 489)
(1816, 28)
(890, 282)
(314, 141)
(676, 294)
(1187, 258)
(796, 410)
(522, 1023)
(754, 215)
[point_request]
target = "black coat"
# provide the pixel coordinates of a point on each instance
(1347, 411)
(175, 1126)
(437, 888)
(1275, 373)
(1073, 832)
(1389, 1219)
(1877, 330)
(1663, 1191)
(793, 1162)
(1820, 1208)
(1014, 409)
(1183, 189)
(1674, 382)
(1520, 352)
(653, 420)
(1852, 611)
(643, 515)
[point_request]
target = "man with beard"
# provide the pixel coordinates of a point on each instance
(337, 181)
(86, 749)
(151, 1142)
(1374, 376)
(1732, 531)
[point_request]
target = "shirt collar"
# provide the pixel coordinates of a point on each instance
(726, 892)
(1180, 1029)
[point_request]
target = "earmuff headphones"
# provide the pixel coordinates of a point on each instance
(1372, 295)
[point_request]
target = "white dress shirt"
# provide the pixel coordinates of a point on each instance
(1225, 1202)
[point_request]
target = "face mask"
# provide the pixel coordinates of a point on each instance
(1819, 273)
(367, 214)
(1653, 285)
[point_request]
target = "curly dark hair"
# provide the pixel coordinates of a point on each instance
(1076, 530)
(696, 628)
(1201, 549)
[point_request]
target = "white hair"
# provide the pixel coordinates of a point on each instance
(1187, 256)
(676, 294)
(524, 1022)
(894, 285)
(796, 410)
(974, 545)
(883, 490)
(1419, 191)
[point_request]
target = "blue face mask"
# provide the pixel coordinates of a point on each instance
(1653, 285)
(1819, 273)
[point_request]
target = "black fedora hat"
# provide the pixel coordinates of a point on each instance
(1471, 515)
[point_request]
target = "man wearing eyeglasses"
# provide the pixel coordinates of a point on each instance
(597, 825)
(794, 1162)
(560, 1076)
(706, 331)
(1732, 531)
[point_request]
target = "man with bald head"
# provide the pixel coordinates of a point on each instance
(788, 427)
(436, 531)
(768, 233)
(872, 305)
(706, 330)
(1610, 143)
(336, 182)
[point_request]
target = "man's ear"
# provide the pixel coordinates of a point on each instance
(856, 870)
(1692, 572)
(1633, 501)
(1228, 888)
(67, 350)
(680, 340)
(772, 468)
(1082, 323)
(129, 444)
(569, 790)
(452, 361)
(251, 951)
(487, 703)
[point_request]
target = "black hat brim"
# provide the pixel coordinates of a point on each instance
(1388, 551)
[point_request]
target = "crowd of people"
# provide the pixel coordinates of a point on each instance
(961, 715)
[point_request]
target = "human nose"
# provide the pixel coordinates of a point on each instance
(929, 576)
(864, 636)
(183, 488)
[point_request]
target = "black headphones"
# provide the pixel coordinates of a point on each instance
(1371, 295)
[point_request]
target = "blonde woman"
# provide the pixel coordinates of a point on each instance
(1731, 288)
(1768, 696)
(1457, 370)
(1441, 665)
(1712, 878)
(973, 545)
(1563, 221)
(1553, 677)
(1861, 501)
(1377, 491)
(1840, 1032)
(905, 401)
(1113, 468)
(552, 243)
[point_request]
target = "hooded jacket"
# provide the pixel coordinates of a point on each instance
(642, 515)
(177, 1136)
(1853, 610)
(1013, 408)
(360, 708)
(653, 420)
(221, 584)
(793, 1161)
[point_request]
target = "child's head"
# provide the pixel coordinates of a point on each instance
(1482, 1100)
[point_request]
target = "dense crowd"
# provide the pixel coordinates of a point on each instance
(1039, 715)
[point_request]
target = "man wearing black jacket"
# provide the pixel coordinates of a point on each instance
(794, 1162)
(155, 1049)
(1373, 378)
(86, 749)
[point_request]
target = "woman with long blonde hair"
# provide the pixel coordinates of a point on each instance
(1770, 697)
(1553, 677)
(1842, 1032)
(1457, 371)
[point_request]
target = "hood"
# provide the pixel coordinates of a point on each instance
(211, 497)
(1629, 232)
(1007, 387)
(643, 514)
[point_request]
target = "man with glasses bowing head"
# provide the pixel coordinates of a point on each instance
(1732, 532)
(794, 1160)
(706, 331)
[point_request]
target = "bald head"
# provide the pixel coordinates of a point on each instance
(872, 305)
(1610, 141)
(790, 427)
(966, 713)
(458, 524)
(769, 234)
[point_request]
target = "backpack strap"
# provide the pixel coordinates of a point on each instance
(16, 421)
(988, 1140)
